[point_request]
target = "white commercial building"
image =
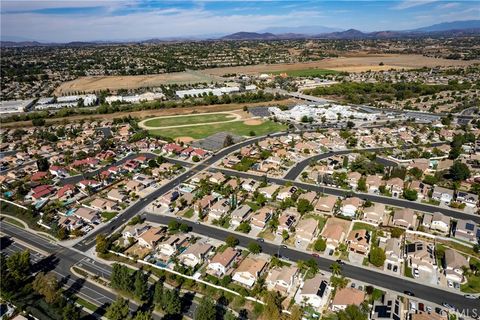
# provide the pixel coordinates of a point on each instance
(148, 96)
(200, 92)
(15, 106)
(330, 112)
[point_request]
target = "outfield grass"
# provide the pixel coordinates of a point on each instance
(308, 72)
(237, 128)
(191, 119)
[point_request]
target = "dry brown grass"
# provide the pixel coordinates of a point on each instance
(357, 63)
(253, 122)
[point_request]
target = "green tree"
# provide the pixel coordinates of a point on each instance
(42, 164)
(158, 293)
(18, 265)
(70, 312)
(459, 171)
(143, 315)
(206, 309)
(231, 241)
(377, 256)
(362, 184)
(118, 310)
(320, 245)
(304, 206)
(171, 303)
(101, 244)
(244, 227)
(254, 247)
(173, 226)
(352, 312)
(410, 194)
(339, 282)
(228, 141)
(273, 306)
(336, 268)
(140, 285)
(47, 286)
(397, 232)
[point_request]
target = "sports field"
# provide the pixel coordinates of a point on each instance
(237, 128)
(308, 72)
(190, 119)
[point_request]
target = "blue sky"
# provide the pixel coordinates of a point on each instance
(65, 20)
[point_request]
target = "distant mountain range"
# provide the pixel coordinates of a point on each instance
(454, 28)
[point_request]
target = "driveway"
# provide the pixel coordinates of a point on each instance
(356, 258)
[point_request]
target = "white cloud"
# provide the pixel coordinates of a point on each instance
(407, 4)
(142, 25)
(448, 5)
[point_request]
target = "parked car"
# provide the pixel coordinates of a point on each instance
(416, 274)
(409, 293)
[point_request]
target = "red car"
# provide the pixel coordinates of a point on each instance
(315, 255)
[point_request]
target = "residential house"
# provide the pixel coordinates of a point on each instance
(306, 229)
(345, 297)
(66, 192)
(260, 218)
(133, 186)
(374, 214)
(467, 198)
(70, 223)
(218, 178)
(438, 222)
(350, 206)
(220, 208)
(421, 255)
(268, 191)
(194, 254)
(150, 238)
(169, 247)
(249, 270)
(282, 279)
(395, 187)
(286, 221)
(467, 230)
(203, 205)
(421, 188)
(373, 184)
(88, 215)
(404, 218)
(314, 292)
(393, 253)
(168, 198)
(442, 194)
(326, 205)
(309, 196)
(334, 234)
(359, 241)
(134, 231)
(250, 185)
(389, 307)
(240, 214)
(222, 261)
(286, 192)
(352, 179)
(116, 195)
(453, 264)
(103, 204)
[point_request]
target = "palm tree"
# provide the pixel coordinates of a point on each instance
(336, 268)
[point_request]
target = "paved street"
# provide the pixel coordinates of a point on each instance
(387, 281)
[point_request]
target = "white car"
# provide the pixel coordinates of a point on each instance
(416, 274)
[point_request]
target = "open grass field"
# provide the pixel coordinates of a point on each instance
(157, 112)
(238, 128)
(308, 72)
(191, 119)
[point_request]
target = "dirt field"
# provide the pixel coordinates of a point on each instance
(349, 64)
(154, 113)
(91, 84)
(253, 122)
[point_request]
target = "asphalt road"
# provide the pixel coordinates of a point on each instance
(89, 240)
(375, 278)
(294, 172)
(60, 261)
(76, 179)
(396, 202)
